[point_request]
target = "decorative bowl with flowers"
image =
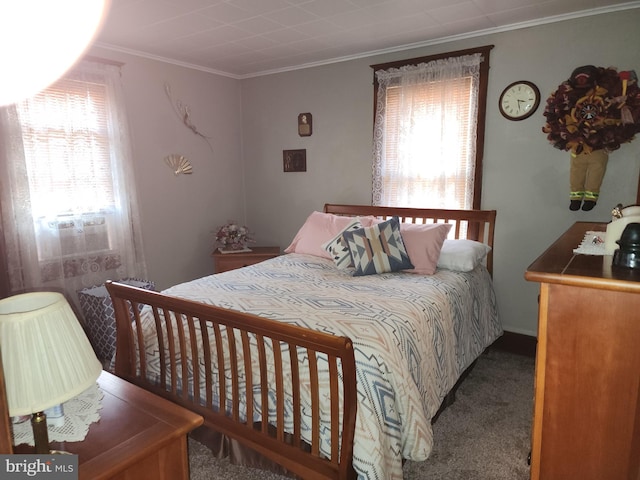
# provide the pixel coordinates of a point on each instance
(233, 237)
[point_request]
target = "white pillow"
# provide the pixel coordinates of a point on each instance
(462, 255)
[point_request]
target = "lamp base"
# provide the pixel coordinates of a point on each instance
(41, 435)
(40, 432)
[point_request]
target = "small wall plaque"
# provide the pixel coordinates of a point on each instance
(294, 160)
(305, 124)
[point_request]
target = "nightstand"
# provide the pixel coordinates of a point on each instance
(223, 262)
(139, 436)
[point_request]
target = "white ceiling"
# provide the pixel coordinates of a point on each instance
(245, 38)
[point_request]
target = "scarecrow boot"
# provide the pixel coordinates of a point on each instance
(575, 203)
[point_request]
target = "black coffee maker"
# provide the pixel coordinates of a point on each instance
(628, 255)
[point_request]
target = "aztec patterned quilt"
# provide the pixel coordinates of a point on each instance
(413, 336)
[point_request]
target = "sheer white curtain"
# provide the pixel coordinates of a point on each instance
(68, 198)
(424, 146)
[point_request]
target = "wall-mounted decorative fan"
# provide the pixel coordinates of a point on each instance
(178, 164)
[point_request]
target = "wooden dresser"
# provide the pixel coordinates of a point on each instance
(587, 384)
(223, 262)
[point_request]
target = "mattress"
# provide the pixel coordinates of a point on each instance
(413, 336)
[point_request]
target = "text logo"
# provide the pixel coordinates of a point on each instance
(39, 467)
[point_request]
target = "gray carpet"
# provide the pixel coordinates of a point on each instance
(484, 435)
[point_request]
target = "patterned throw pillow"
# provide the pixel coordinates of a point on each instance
(378, 249)
(338, 248)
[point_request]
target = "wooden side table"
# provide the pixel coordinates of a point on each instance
(223, 262)
(139, 436)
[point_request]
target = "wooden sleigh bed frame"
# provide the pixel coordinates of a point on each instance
(231, 331)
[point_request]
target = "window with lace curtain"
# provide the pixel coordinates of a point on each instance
(429, 130)
(67, 152)
(68, 197)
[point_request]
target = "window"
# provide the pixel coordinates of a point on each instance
(429, 130)
(67, 152)
(67, 198)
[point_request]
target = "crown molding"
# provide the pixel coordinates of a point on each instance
(371, 53)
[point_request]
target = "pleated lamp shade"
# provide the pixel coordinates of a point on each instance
(46, 355)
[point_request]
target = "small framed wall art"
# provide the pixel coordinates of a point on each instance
(305, 124)
(294, 160)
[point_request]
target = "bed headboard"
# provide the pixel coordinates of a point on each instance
(476, 225)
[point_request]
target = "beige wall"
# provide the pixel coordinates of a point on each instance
(179, 213)
(525, 178)
(253, 120)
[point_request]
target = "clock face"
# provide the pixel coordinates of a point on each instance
(519, 100)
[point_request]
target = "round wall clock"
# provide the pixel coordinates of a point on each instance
(519, 100)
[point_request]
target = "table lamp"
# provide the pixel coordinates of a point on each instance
(46, 355)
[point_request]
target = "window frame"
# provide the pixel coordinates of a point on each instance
(23, 266)
(72, 90)
(482, 103)
(60, 137)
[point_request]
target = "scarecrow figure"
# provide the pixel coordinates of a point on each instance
(590, 115)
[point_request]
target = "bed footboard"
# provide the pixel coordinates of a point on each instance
(287, 392)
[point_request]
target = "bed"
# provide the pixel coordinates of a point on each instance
(326, 368)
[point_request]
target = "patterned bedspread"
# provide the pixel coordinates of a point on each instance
(413, 336)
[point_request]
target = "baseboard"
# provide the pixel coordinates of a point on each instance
(516, 343)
